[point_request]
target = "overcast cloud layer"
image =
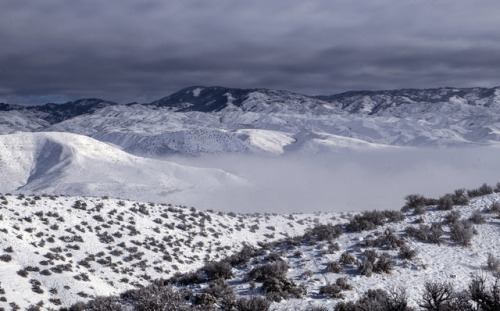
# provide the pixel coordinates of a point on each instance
(127, 50)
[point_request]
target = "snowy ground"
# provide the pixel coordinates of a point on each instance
(103, 246)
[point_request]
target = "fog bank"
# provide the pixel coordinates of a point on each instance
(346, 181)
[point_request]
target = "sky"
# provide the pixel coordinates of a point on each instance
(140, 51)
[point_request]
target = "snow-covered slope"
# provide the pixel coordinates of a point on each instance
(213, 120)
(78, 165)
(59, 250)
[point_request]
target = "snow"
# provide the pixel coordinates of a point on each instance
(64, 163)
(36, 226)
(191, 238)
(197, 91)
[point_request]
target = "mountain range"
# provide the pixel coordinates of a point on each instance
(212, 120)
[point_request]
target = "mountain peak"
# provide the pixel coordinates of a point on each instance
(204, 99)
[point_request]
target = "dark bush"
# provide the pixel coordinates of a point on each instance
(462, 232)
(343, 284)
(393, 216)
(273, 257)
(346, 258)
(487, 299)
(346, 306)
(452, 217)
(413, 201)
(373, 299)
(483, 190)
(495, 207)
(282, 288)
(388, 239)
(254, 303)
(218, 270)
(333, 267)
(477, 218)
(406, 252)
(277, 269)
(6, 257)
(242, 257)
(104, 304)
(327, 232)
(223, 292)
(384, 264)
(154, 298)
(190, 278)
(427, 233)
(365, 268)
(445, 203)
(370, 255)
(460, 197)
(493, 263)
(332, 291)
(368, 220)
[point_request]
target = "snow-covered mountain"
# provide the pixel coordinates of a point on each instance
(57, 250)
(71, 164)
(211, 120)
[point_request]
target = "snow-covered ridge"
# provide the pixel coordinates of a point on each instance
(210, 120)
(65, 163)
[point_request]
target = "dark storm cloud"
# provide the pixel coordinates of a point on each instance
(138, 51)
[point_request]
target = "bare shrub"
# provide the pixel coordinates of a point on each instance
(483, 190)
(223, 292)
(452, 217)
(189, 278)
(368, 220)
(384, 264)
(242, 257)
(332, 291)
(427, 233)
(104, 304)
(462, 232)
(153, 297)
(445, 203)
(495, 207)
(370, 255)
(282, 288)
(346, 258)
(487, 299)
(254, 303)
(365, 268)
(406, 252)
(327, 232)
(218, 270)
(414, 201)
(460, 197)
(277, 269)
(343, 284)
(493, 263)
(333, 267)
(477, 218)
(437, 296)
(388, 239)
(373, 299)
